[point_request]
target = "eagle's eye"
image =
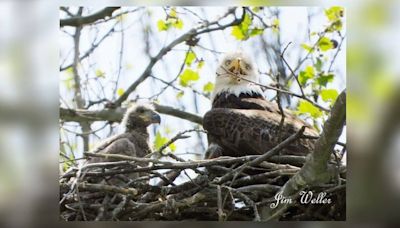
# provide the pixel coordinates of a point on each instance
(140, 110)
(228, 62)
(247, 66)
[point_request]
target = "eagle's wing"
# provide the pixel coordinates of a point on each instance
(107, 142)
(119, 144)
(266, 105)
(254, 131)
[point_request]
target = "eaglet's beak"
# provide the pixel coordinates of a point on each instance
(155, 118)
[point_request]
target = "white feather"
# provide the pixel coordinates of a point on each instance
(225, 82)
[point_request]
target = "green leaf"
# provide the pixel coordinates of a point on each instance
(334, 13)
(305, 75)
(178, 24)
(209, 87)
(188, 76)
(306, 107)
(275, 22)
(246, 23)
(324, 79)
(256, 31)
(325, 44)
(69, 70)
(307, 47)
(180, 94)
(337, 25)
(241, 31)
(69, 82)
(99, 73)
(329, 95)
(162, 26)
(200, 64)
(120, 91)
(318, 65)
(173, 13)
(275, 25)
(159, 141)
(189, 58)
(238, 33)
(172, 146)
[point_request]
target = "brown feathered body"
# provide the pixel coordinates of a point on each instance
(249, 124)
(134, 141)
(241, 121)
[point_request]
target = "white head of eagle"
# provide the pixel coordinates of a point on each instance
(235, 75)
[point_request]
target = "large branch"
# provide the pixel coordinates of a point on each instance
(84, 20)
(168, 110)
(315, 170)
(115, 115)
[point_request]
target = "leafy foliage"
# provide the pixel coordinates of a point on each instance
(172, 21)
(307, 108)
(100, 74)
(188, 76)
(323, 79)
(329, 95)
(209, 87)
(316, 77)
(334, 15)
(275, 25)
(191, 56)
(200, 64)
(307, 47)
(245, 30)
(180, 94)
(120, 91)
(69, 81)
(306, 74)
(160, 141)
(325, 44)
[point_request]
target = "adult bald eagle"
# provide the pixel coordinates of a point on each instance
(135, 140)
(242, 121)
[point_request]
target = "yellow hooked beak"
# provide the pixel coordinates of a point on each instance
(235, 66)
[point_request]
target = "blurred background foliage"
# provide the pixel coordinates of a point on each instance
(29, 116)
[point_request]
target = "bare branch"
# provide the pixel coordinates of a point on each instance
(178, 113)
(204, 28)
(84, 20)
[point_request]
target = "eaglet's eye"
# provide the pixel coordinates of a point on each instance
(228, 62)
(140, 110)
(247, 66)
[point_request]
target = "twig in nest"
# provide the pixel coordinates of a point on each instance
(107, 188)
(221, 214)
(261, 158)
(247, 200)
(180, 135)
